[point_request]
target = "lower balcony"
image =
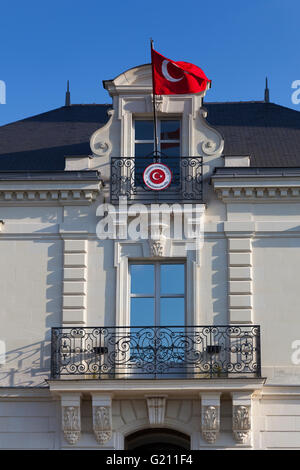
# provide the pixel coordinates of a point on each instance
(156, 352)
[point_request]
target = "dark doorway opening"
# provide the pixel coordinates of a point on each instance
(158, 440)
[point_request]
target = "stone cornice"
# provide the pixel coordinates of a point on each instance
(123, 388)
(59, 188)
(257, 184)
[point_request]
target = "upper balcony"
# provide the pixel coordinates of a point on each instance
(128, 179)
(156, 352)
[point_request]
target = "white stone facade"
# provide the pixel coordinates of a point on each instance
(57, 272)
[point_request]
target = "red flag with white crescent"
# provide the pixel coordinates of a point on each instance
(174, 78)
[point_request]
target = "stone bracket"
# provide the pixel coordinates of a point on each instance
(241, 417)
(102, 417)
(71, 421)
(210, 416)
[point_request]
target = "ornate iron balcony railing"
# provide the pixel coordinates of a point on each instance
(156, 352)
(127, 180)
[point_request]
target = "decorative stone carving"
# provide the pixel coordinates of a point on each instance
(158, 103)
(157, 247)
(99, 141)
(102, 423)
(102, 147)
(210, 146)
(71, 424)
(241, 423)
(68, 197)
(156, 410)
(210, 423)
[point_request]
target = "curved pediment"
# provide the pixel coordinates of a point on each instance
(139, 77)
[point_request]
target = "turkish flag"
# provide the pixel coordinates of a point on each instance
(174, 78)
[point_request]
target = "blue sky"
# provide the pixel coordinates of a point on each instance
(237, 43)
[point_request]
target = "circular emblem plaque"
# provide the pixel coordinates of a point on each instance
(157, 176)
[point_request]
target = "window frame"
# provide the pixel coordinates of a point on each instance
(150, 141)
(157, 295)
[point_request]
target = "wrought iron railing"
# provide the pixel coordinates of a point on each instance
(156, 352)
(127, 180)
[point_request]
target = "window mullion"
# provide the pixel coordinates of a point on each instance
(157, 294)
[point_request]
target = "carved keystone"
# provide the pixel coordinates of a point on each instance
(156, 409)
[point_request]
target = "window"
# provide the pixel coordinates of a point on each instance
(157, 318)
(157, 294)
(168, 132)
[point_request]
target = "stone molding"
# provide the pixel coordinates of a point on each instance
(236, 188)
(187, 388)
(32, 192)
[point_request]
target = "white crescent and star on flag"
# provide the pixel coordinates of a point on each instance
(164, 69)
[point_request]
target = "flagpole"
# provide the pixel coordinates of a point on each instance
(154, 105)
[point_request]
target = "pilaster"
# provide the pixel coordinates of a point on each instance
(75, 282)
(240, 288)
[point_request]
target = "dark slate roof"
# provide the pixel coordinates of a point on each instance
(269, 133)
(41, 142)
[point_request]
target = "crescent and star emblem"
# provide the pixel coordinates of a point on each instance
(164, 69)
(157, 176)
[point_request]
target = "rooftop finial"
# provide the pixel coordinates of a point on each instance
(68, 96)
(267, 93)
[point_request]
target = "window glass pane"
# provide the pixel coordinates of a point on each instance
(144, 130)
(142, 312)
(170, 130)
(172, 311)
(172, 279)
(144, 150)
(171, 149)
(142, 279)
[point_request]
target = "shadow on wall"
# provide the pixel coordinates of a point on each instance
(29, 365)
(26, 366)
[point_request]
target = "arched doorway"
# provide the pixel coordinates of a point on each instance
(158, 440)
